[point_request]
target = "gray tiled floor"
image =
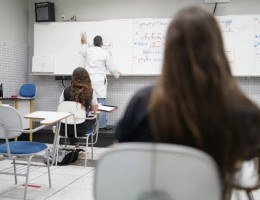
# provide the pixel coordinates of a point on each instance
(72, 182)
(68, 182)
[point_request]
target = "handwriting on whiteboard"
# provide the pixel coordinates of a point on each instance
(106, 45)
(149, 41)
(226, 25)
(257, 40)
(151, 24)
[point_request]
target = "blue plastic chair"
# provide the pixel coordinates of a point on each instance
(10, 128)
(27, 90)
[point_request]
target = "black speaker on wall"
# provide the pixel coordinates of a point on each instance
(44, 12)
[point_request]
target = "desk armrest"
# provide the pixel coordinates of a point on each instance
(35, 129)
(87, 118)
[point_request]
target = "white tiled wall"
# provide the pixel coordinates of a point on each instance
(119, 91)
(251, 87)
(13, 67)
(13, 73)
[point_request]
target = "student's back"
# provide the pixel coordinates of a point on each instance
(97, 57)
(79, 91)
(197, 101)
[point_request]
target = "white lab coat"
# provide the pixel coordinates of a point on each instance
(97, 61)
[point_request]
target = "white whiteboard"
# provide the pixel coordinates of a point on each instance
(241, 34)
(62, 40)
(43, 64)
(137, 44)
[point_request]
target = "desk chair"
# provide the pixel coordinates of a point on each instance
(247, 178)
(78, 117)
(147, 171)
(27, 90)
(11, 127)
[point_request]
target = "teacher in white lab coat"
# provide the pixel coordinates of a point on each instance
(97, 61)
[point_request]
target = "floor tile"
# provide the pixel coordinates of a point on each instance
(6, 185)
(21, 179)
(10, 198)
(256, 194)
(102, 150)
(75, 181)
(91, 174)
(72, 194)
(73, 170)
(85, 182)
(58, 180)
(32, 193)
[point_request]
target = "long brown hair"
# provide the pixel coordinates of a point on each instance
(81, 87)
(195, 99)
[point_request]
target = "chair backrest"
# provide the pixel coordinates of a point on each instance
(27, 90)
(78, 111)
(12, 121)
(142, 171)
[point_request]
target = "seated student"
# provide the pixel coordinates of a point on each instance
(196, 101)
(80, 91)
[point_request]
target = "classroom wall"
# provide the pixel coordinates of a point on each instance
(120, 91)
(13, 45)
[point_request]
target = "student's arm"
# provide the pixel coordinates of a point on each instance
(252, 137)
(111, 68)
(134, 126)
(244, 117)
(124, 129)
(94, 103)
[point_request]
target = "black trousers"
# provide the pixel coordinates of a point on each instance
(81, 130)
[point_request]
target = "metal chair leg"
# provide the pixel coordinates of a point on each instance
(57, 150)
(86, 151)
(56, 135)
(27, 178)
(15, 172)
(65, 142)
(249, 195)
(92, 156)
(48, 164)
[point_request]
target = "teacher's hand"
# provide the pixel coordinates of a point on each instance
(83, 38)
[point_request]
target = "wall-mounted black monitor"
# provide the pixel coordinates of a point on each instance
(44, 12)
